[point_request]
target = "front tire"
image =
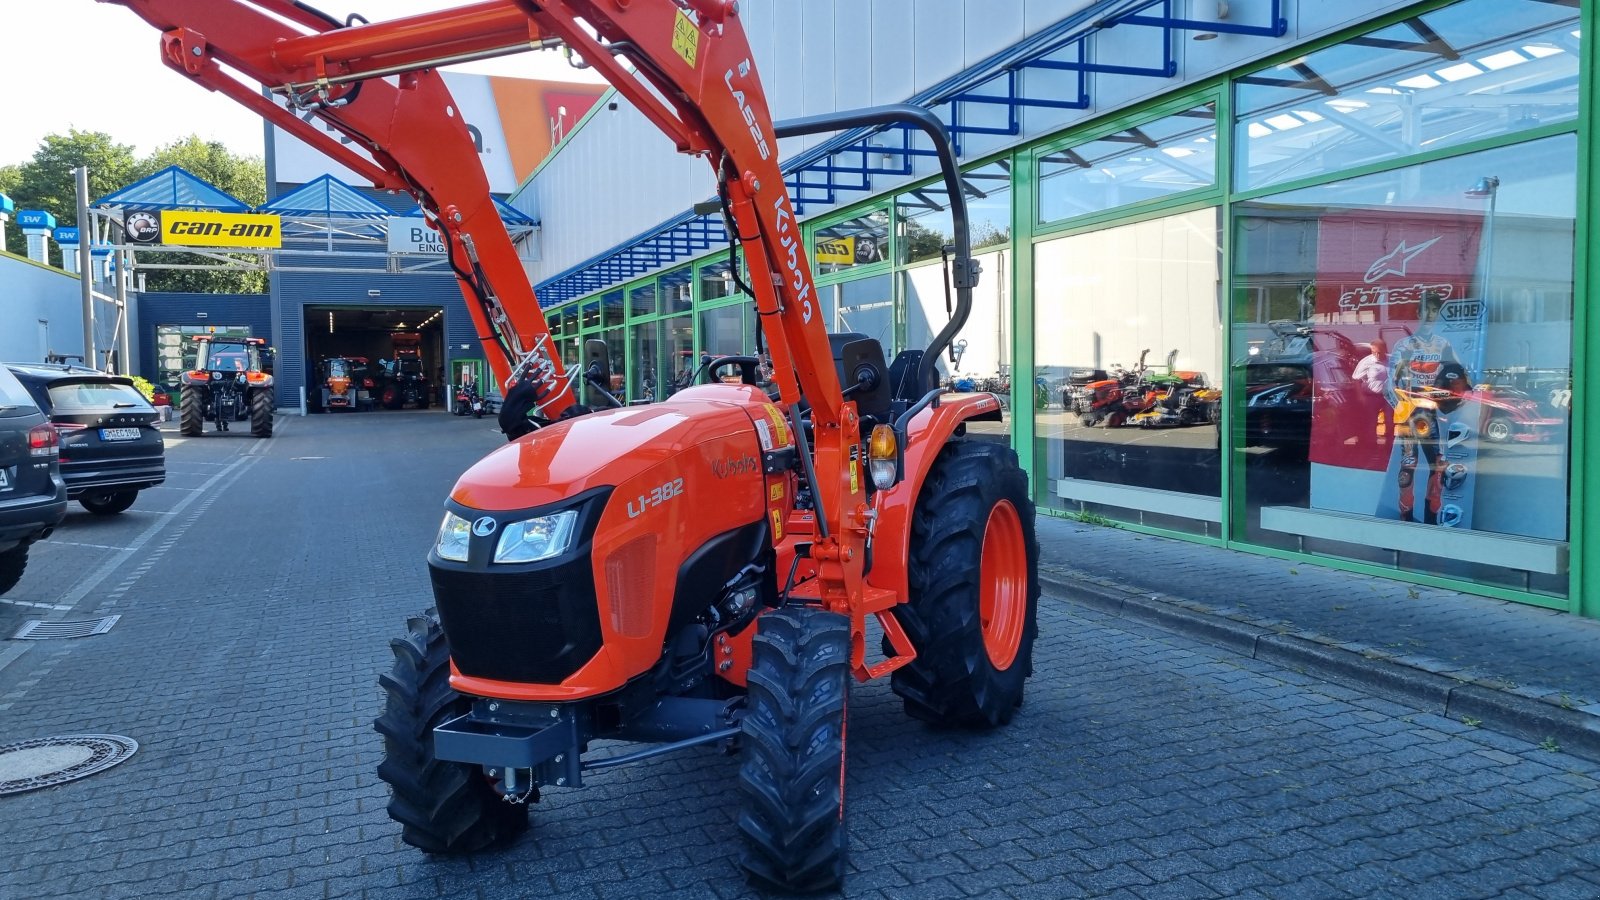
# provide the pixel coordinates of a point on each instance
(793, 770)
(12, 564)
(1499, 430)
(262, 407)
(442, 807)
(974, 579)
(191, 412)
(107, 503)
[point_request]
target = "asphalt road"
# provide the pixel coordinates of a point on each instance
(258, 591)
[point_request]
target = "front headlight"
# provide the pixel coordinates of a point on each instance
(453, 534)
(534, 539)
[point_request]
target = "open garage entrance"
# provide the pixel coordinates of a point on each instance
(385, 338)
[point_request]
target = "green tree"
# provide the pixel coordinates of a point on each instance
(46, 181)
(244, 177)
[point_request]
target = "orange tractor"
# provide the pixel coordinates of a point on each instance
(690, 572)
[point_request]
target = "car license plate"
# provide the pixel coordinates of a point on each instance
(119, 434)
(5, 480)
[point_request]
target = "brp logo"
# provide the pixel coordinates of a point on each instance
(484, 526)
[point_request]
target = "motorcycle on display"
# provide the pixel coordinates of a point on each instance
(468, 401)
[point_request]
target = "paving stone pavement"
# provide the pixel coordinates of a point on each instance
(1527, 670)
(1144, 764)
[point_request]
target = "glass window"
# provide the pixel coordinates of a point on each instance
(865, 305)
(858, 241)
(14, 399)
(924, 214)
(642, 300)
(677, 362)
(569, 319)
(716, 281)
(1168, 156)
(677, 291)
(644, 365)
(97, 395)
(983, 346)
(725, 332)
(1404, 344)
(590, 315)
(1468, 71)
(1127, 395)
(612, 306)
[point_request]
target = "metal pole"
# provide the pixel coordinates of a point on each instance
(124, 260)
(86, 265)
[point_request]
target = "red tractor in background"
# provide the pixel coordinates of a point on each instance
(231, 382)
(690, 572)
(405, 378)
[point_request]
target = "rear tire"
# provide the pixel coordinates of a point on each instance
(792, 776)
(391, 398)
(443, 807)
(1499, 430)
(12, 563)
(192, 416)
(107, 503)
(262, 407)
(974, 579)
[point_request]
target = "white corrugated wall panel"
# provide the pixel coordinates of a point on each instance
(617, 176)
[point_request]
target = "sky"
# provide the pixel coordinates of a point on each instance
(125, 91)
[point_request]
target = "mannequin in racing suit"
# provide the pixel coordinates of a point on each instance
(1415, 373)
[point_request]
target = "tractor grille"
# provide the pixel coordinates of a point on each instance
(630, 573)
(531, 626)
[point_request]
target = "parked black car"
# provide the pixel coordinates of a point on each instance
(33, 498)
(110, 446)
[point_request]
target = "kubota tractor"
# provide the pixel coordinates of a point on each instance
(691, 572)
(231, 382)
(342, 383)
(406, 381)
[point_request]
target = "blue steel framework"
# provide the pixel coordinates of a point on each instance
(844, 164)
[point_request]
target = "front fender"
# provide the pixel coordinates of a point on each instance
(926, 436)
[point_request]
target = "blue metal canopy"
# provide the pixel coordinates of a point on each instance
(328, 197)
(173, 188)
(508, 214)
(847, 162)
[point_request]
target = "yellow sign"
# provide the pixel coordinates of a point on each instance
(778, 425)
(685, 38)
(855, 478)
(839, 251)
(215, 229)
(776, 492)
(777, 525)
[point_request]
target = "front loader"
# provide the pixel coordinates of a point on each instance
(692, 572)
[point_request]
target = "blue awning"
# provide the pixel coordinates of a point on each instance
(508, 214)
(173, 188)
(326, 197)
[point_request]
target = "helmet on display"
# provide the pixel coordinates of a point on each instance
(1452, 378)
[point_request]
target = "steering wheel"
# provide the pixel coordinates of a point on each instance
(747, 367)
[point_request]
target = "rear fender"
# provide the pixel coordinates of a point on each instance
(927, 435)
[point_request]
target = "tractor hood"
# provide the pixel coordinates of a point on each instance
(605, 448)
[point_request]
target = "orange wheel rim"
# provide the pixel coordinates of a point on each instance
(1003, 598)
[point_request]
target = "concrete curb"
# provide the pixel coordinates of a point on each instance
(1400, 678)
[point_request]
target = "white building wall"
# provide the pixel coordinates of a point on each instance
(618, 176)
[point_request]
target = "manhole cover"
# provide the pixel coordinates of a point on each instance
(40, 630)
(44, 762)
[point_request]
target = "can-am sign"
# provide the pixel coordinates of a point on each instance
(414, 236)
(195, 228)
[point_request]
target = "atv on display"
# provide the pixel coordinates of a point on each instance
(231, 382)
(406, 381)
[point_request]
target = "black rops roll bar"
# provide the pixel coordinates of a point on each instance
(963, 268)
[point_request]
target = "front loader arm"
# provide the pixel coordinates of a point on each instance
(410, 125)
(695, 80)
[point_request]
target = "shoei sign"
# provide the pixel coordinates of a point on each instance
(513, 122)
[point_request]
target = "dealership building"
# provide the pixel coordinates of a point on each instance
(1300, 278)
